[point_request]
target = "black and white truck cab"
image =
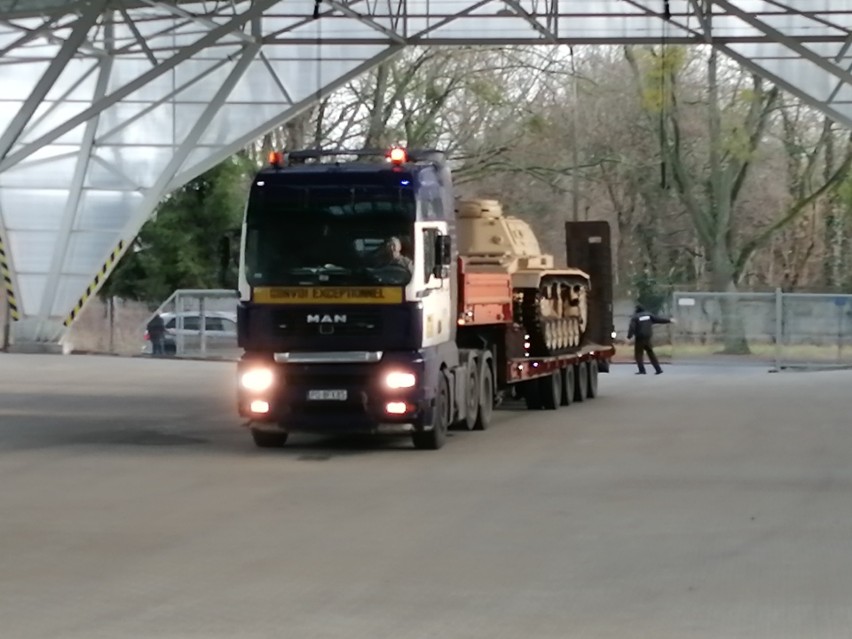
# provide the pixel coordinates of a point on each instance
(347, 282)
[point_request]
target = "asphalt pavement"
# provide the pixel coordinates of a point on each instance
(706, 502)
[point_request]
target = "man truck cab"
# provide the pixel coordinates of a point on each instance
(354, 340)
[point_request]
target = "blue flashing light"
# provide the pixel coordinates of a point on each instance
(405, 182)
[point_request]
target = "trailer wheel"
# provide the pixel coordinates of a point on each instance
(267, 439)
(486, 399)
(436, 437)
(593, 379)
(551, 391)
(581, 382)
(567, 390)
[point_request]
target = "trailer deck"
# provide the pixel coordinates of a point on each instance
(519, 370)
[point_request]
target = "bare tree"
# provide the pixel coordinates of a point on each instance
(709, 176)
(710, 190)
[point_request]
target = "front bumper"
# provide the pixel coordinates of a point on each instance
(364, 410)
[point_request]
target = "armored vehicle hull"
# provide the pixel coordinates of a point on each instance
(550, 303)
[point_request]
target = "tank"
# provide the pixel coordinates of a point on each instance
(550, 303)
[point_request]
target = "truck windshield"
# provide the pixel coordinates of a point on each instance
(329, 235)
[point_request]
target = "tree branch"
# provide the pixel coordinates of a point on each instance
(794, 211)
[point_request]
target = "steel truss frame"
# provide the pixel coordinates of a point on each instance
(109, 106)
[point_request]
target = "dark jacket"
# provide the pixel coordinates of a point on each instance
(641, 324)
(156, 327)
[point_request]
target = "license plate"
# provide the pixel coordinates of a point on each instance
(327, 395)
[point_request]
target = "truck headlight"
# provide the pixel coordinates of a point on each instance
(400, 379)
(257, 379)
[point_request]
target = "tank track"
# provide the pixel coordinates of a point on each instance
(555, 315)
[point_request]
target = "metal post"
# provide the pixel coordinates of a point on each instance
(111, 311)
(7, 324)
(575, 151)
(840, 309)
(677, 316)
(203, 327)
(779, 326)
(179, 325)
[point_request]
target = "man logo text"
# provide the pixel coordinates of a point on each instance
(326, 319)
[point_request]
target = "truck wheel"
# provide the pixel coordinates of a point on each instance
(551, 391)
(581, 382)
(567, 386)
(593, 379)
(532, 394)
(436, 437)
(471, 398)
(266, 439)
(486, 399)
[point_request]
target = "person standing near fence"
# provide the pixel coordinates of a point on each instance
(157, 334)
(642, 329)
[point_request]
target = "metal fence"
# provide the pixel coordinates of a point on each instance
(785, 330)
(782, 330)
(200, 323)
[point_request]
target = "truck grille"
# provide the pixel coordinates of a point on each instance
(290, 323)
(302, 378)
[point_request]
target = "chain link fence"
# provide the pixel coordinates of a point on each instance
(784, 330)
(200, 323)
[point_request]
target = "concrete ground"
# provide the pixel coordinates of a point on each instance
(710, 503)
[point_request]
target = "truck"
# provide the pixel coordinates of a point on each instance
(372, 300)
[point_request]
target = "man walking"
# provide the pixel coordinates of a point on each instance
(641, 327)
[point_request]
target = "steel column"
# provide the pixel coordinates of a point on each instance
(72, 205)
(156, 192)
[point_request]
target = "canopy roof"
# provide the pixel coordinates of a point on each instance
(107, 105)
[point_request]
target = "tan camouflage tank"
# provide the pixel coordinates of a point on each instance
(550, 303)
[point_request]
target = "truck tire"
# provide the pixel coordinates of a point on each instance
(472, 398)
(551, 391)
(486, 398)
(567, 386)
(267, 439)
(581, 382)
(532, 394)
(436, 437)
(593, 379)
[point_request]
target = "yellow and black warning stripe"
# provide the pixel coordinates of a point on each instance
(6, 273)
(95, 284)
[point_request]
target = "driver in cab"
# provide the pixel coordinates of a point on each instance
(391, 255)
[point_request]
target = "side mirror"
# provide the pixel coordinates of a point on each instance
(443, 250)
(443, 256)
(446, 251)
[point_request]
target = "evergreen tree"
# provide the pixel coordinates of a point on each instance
(180, 246)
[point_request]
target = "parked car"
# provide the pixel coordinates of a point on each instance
(220, 332)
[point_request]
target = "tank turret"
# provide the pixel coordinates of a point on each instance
(550, 303)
